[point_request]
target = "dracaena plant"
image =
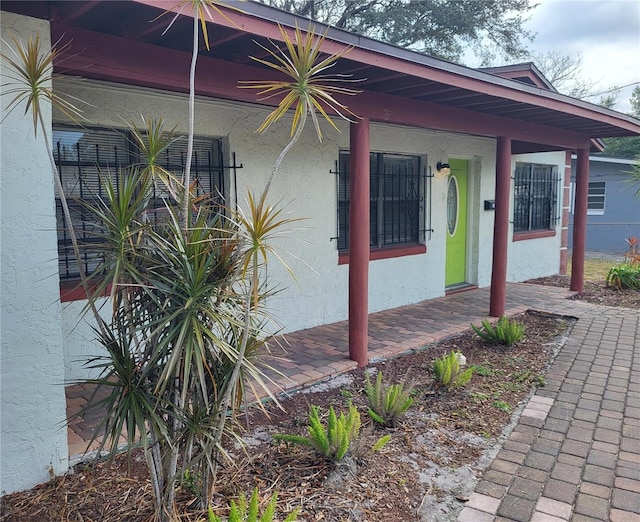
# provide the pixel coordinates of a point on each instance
(309, 90)
(30, 75)
(186, 299)
(187, 312)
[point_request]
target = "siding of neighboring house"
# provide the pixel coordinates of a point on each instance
(611, 221)
(32, 413)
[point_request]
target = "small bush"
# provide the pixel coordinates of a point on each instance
(333, 440)
(447, 371)
(248, 511)
(505, 331)
(624, 277)
(502, 406)
(387, 404)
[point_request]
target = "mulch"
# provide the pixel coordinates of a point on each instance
(444, 431)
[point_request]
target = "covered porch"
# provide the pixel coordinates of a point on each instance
(514, 106)
(305, 357)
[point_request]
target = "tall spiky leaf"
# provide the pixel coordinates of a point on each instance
(309, 90)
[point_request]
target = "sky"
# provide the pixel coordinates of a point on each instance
(605, 32)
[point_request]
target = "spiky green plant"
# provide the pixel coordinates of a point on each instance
(309, 89)
(30, 71)
(506, 331)
(387, 404)
(448, 373)
(334, 439)
(625, 276)
(186, 315)
(249, 510)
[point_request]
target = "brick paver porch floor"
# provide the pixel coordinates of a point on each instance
(307, 356)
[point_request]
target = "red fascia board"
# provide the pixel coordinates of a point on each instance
(134, 63)
(123, 61)
(407, 62)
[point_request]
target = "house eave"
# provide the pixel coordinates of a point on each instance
(387, 70)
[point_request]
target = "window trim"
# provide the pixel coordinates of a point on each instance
(533, 234)
(386, 253)
(382, 250)
(71, 288)
(554, 217)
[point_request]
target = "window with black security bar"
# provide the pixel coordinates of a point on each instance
(396, 200)
(535, 197)
(86, 156)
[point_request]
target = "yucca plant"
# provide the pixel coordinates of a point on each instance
(506, 331)
(625, 276)
(387, 404)
(333, 440)
(249, 510)
(448, 373)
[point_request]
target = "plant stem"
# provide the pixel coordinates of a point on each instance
(285, 151)
(186, 180)
(72, 234)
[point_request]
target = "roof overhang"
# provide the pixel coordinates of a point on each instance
(125, 41)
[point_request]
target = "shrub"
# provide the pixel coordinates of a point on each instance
(505, 331)
(624, 276)
(248, 511)
(333, 440)
(447, 371)
(387, 404)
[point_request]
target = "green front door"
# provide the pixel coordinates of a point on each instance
(456, 224)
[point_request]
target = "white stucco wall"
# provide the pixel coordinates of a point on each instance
(537, 257)
(306, 188)
(45, 343)
(33, 435)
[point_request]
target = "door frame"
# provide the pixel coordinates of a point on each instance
(470, 276)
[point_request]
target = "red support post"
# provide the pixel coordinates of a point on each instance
(498, 296)
(359, 208)
(580, 221)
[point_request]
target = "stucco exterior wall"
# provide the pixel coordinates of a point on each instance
(540, 256)
(34, 439)
(306, 188)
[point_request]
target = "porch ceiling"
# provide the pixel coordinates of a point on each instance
(385, 69)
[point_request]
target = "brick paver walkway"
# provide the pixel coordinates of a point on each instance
(575, 452)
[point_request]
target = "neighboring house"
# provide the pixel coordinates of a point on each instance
(613, 213)
(500, 214)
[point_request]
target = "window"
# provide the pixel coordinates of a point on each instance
(595, 198)
(535, 197)
(396, 200)
(84, 156)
